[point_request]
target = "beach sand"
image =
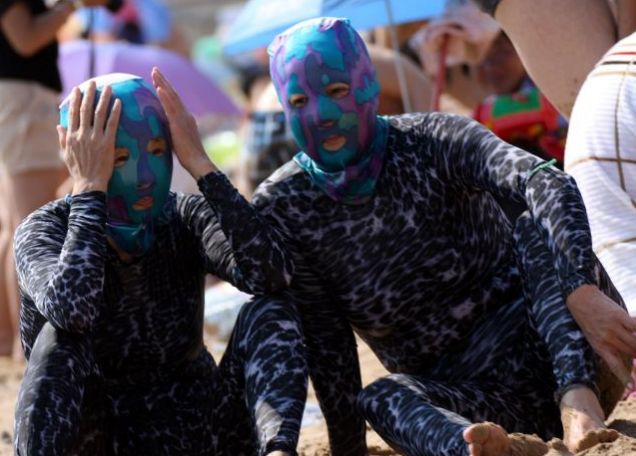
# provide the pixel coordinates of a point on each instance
(313, 441)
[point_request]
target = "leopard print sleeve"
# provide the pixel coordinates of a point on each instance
(60, 258)
(235, 242)
(476, 158)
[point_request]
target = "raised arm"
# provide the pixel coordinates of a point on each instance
(236, 242)
(60, 261)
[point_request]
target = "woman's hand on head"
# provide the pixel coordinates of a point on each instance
(88, 142)
(183, 129)
(607, 327)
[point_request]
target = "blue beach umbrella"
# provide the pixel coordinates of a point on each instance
(261, 20)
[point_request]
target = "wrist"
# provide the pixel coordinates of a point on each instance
(578, 292)
(83, 186)
(201, 167)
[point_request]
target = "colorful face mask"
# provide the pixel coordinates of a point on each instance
(138, 189)
(327, 85)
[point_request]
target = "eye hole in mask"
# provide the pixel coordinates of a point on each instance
(157, 147)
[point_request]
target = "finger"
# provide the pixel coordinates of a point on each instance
(617, 367)
(61, 136)
(101, 112)
(165, 84)
(113, 121)
(87, 108)
(167, 103)
(628, 339)
(474, 449)
(629, 323)
(73, 110)
(618, 346)
(154, 75)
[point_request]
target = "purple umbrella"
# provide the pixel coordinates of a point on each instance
(200, 95)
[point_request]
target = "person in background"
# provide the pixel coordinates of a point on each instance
(111, 279)
(560, 42)
(516, 111)
(30, 166)
(573, 36)
(601, 156)
(137, 21)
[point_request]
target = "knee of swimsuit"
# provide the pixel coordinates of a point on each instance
(488, 6)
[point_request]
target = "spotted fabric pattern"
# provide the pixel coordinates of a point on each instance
(420, 267)
(116, 362)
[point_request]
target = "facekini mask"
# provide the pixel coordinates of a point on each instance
(138, 189)
(328, 88)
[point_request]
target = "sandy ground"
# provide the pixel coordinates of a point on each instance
(314, 440)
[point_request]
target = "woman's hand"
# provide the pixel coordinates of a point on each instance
(183, 129)
(607, 327)
(89, 141)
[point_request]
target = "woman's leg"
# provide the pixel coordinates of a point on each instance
(250, 405)
(502, 375)
(22, 194)
(264, 368)
(58, 411)
(559, 41)
(7, 326)
(584, 382)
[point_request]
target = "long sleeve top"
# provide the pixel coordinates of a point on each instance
(413, 270)
(146, 314)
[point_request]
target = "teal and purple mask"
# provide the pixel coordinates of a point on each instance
(327, 85)
(138, 189)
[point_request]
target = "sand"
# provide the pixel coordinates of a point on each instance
(314, 442)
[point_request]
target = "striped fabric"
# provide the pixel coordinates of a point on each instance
(601, 155)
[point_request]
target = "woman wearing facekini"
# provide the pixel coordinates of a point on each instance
(397, 236)
(112, 281)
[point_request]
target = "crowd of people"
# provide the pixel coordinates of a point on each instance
(484, 256)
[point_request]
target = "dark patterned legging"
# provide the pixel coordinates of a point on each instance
(515, 364)
(250, 404)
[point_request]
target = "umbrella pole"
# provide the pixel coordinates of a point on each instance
(440, 80)
(91, 49)
(404, 90)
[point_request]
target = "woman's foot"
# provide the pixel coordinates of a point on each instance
(487, 439)
(583, 420)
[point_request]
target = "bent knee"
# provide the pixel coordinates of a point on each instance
(60, 348)
(380, 390)
(264, 310)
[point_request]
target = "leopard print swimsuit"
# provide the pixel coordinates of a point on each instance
(116, 362)
(428, 274)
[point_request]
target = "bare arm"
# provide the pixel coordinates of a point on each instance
(28, 34)
(626, 17)
(559, 42)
